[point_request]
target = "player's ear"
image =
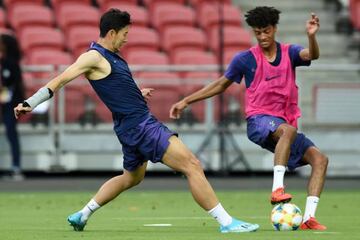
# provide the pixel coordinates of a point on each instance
(112, 33)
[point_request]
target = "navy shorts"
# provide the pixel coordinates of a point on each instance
(259, 128)
(147, 141)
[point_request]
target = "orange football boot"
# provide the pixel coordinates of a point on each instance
(279, 196)
(312, 224)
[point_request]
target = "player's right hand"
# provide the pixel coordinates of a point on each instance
(20, 109)
(177, 109)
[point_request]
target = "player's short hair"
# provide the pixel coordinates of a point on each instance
(261, 17)
(113, 19)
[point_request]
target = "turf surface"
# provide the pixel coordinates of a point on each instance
(43, 215)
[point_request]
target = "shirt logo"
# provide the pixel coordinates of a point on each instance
(272, 77)
(272, 123)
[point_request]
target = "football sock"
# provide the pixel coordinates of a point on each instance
(310, 208)
(278, 180)
(89, 209)
(220, 214)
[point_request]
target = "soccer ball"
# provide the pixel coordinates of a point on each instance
(286, 217)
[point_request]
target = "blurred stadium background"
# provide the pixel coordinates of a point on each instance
(174, 47)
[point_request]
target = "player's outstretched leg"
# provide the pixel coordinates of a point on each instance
(180, 158)
(108, 191)
(76, 222)
(239, 226)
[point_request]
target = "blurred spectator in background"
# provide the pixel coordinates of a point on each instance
(11, 92)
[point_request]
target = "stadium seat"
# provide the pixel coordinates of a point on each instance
(30, 15)
(234, 100)
(192, 81)
(194, 58)
(79, 38)
(355, 13)
(70, 15)
(141, 38)
(102, 3)
(234, 38)
(74, 103)
(150, 2)
(183, 37)
(209, 16)
(45, 57)
(149, 79)
(54, 57)
(196, 112)
(9, 4)
(57, 3)
(145, 57)
(139, 15)
(35, 38)
(229, 54)
(171, 14)
(163, 97)
(198, 3)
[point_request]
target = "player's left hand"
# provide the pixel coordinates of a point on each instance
(147, 93)
(312, 25)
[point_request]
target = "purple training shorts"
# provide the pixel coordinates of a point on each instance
(259, 128)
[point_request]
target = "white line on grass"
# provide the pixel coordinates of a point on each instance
(158, 225)
(178, 218)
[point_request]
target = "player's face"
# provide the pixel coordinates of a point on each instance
(265, 36)
(120, 38)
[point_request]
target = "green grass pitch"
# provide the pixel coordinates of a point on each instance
(41, 216)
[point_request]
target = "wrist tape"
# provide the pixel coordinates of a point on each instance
(39, 97)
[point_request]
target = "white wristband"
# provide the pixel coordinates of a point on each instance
(39, 97)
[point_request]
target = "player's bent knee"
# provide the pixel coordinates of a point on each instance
(192, 164)
(131, 181)
(321, 162)
(324, 161)
(290, 132)
(287, 131)
(134, 182)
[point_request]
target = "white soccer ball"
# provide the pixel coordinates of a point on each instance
(286, 217)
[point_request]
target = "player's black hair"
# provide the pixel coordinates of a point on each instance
(11, 47)
(261, 17)
(113, 19)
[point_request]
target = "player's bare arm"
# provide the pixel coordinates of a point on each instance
(208, 91)
(86, 63)
(312, 27)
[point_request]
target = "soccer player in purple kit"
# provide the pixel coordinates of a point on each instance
(142, 136)
(271, 104)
